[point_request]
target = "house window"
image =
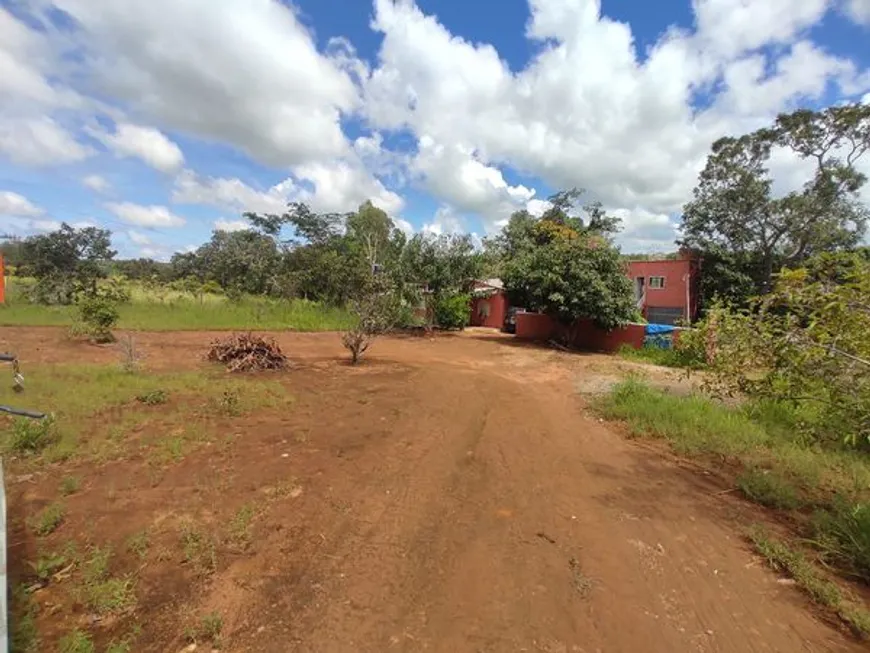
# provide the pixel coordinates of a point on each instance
(656, 282)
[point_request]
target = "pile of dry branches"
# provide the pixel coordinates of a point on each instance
(246, 352)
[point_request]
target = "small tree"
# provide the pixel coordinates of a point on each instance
(67, 262)
(805, 344)
(98, 310)
(376, 312)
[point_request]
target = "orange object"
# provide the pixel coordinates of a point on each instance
(2, 282)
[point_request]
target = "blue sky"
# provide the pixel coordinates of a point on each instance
(163, 121)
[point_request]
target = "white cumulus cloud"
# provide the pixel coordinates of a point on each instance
(145, 143)
(145, 216)
(96, 183)
(13, 204)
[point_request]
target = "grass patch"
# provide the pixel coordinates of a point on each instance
(48, 564)
(669, 357)
(769, 489)
(240, 526)
(778, 470)
(176, 311)
(70, 485)
(108, 404)
(794, 564)
(23, 636)
(138, 544)
(843, 535)
(199, 549)
(208, 629)
(48, 519)
(76, 642)
(30, 436)
(100, 591)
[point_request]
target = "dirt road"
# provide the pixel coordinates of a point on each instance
(456, 496)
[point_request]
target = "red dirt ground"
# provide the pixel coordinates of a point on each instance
(447, 495)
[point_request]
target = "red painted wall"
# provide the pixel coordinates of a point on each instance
(536, 326)
(677, 274)
(2, 282)
(498, 307)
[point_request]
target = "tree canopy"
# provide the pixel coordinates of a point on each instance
(565, 265)
(67, 261)
(746, 231)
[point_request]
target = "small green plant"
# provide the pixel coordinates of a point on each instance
(769, 489)
(30, 436)
(843, 534)
(99, 314)
(76, 642)
(229, 403)
(101, 592)
(240, 533)
(47, 565)
(199, 549)
(208, 629)
(48, 519)
(24, 637)
(153, 397)
(70, 485)
(138, 544)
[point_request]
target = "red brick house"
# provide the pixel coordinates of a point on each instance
(666, 290)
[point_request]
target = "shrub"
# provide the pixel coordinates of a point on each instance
(32, 435)
(49, 519)
(844, 535)
(152, 398)
(99, 314)
(376, 310)
(453, 311)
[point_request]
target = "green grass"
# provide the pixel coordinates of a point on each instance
(810, 580)
(48, 519)
(70, 485)
(101, 592)
(108, 404)
(76, 642)
(770, 465)
(174, 311)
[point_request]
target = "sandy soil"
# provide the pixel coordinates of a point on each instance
(447, 495)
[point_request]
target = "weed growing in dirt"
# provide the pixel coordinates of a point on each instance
(69, 485)
(153, 397)
(131, 359)
(199, 549)
(47, 565)
(207, 630)
(240, 527)
(229, 403)
(101, 592)
(138, 544)
(48, 519)
(31, 436)
(793, 563)
(769, 489)
(76, 642)
(24, 637)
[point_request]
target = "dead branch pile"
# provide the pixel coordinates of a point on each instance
(246, 352)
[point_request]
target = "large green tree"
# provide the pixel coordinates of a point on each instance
(746, 232)
(564, 264)
(67, 261)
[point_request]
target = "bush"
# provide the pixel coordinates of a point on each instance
(32, 435)
(844, 534)
(98, 314)
(453, 311)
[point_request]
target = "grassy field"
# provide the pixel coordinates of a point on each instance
(178, 311)
(103, 415)
(824, 490)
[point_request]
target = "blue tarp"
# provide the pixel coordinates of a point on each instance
(658, 329)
